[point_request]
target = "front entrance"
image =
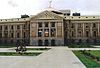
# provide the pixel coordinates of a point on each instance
(52, 42)
(46, 42)
(40, 42)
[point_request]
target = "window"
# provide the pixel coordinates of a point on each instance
(87, 33)
(18, 26)
(5, 27)
(39, 24)
(94, 25)
(46, 42)
(52, 42)
(39, 32)
(46, 32)
(12, 27)
(79, 34)
(66, 25)
(53, 32)
(6, 35)
(94, 33)
(79, 25)
(12, 35)
(0, 27)
(24, 26)
(87, 25)
(52, 24)
(0, 34)
(24, 35)
(46, 24)
(18, 35)
(40, 42)
(11, 41)
(72, 33)
(72, 25)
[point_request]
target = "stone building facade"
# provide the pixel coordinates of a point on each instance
(51, 28)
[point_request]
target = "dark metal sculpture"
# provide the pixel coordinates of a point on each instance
(21, 46)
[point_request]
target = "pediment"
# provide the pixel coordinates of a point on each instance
(47, 15)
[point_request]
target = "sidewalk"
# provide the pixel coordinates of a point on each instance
(58, 57)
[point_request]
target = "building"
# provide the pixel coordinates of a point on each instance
(51, 27)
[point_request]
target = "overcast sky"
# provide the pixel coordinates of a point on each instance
(15, 8)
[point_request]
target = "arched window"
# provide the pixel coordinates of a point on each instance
(46, 42)
(40, 42)
(52, 42)
(94, 24)
(94, 33)
(87, 33)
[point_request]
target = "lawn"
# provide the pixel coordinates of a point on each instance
(88, 62)
(96, 53)
(80, 46)
(17, 54)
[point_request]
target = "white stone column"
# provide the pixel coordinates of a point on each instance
(36, 28)
(83, 31)
(76, 28)
(43, 29)
(21, 29)
(8, 31)
(49, 30)
(91, 32)
(62, 29)
(14, 31)
(2, 31)
(56, 25)
(98, 30)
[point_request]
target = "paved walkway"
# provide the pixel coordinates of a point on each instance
(57, 57)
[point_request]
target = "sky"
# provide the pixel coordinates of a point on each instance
(16, 8)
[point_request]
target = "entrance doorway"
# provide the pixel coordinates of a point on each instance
(46, 42)
(40, 42)
(52, 42)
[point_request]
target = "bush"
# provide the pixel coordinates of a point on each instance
(97, 58)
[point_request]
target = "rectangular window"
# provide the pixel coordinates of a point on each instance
(46, 32)
(39, 32)
(53, 32)
(6, 27)
(52, 24)
(12, 35)
(24, 26)
(87, 33)
(18, 26)
(72, 33)
(24, 35)
(94, 24)
(18, 35)
(12, 27)
(46, 24)
(39, 24)
(5, 35)
(72, 25)
(0, 27)
(0, 35)
(87, 25)
(79, 25)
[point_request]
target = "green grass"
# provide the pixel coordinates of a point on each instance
(88, 62)
(38, 48)
(17, 54)
(96, 53)
(80, 46)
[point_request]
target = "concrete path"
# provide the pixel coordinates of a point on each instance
(58, 57)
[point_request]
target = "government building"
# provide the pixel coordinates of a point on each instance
(50, 28)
